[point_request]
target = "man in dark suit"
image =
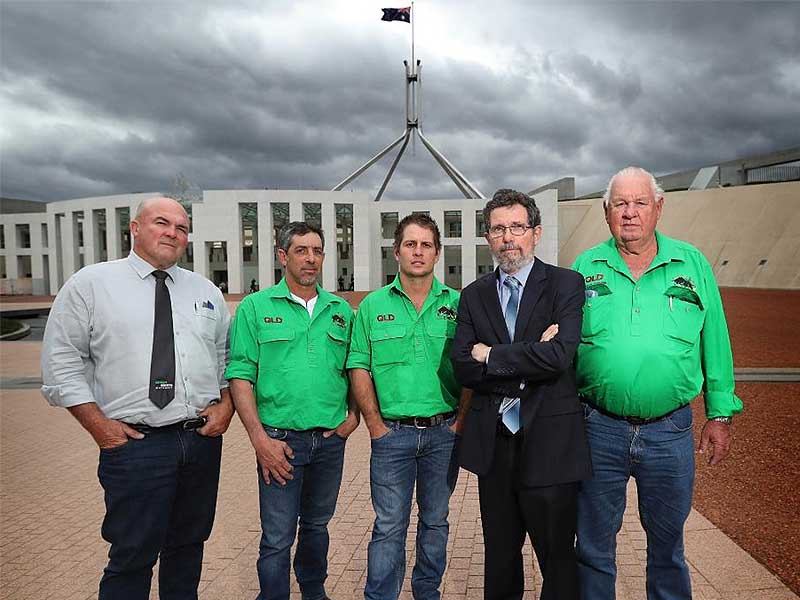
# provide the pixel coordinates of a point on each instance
(518, 329)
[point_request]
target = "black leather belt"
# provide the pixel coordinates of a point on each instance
(422, 422)
(312, 430)
(187, 425)
(631, 420)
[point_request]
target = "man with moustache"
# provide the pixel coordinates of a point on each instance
(518, 329)
(654, 336)
(403, 381)
(288, 380)
(135, 350)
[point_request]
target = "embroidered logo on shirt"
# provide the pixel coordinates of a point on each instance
(273, 319)
(386, 317)
(445, 312)
(593, 278)
(339, 320)
(684, 282)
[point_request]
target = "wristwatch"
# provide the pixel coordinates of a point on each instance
(726, 420)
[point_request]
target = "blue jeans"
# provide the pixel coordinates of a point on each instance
(402, 457)
(160, 495)
(310, 499)
(660, 457)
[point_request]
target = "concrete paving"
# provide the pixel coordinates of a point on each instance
(51, 507)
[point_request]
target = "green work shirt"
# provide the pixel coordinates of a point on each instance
(650, 346)
(295, 362)
(408, 352)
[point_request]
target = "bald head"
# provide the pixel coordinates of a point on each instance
(157, 201)
(160, 231)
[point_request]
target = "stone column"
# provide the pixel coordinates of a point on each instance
(113, 241)
(266, 247)
(329, 267)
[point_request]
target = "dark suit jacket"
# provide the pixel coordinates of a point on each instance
(555, 449)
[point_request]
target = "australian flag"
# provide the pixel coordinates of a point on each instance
(397, 14)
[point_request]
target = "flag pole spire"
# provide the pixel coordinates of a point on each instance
(413, 19)
(413, 127)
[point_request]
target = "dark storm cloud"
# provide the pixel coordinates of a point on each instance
(102, 98)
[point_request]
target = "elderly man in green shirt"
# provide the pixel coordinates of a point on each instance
(401, 337)
(653, 337)
(287, 376)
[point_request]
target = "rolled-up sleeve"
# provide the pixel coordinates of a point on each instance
(360, 356)
(243, 344)
(65, 349)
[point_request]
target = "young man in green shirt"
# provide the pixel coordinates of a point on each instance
(403, 381)
(288, 380)
(653, 337)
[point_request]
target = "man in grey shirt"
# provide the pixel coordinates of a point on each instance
(135, 349)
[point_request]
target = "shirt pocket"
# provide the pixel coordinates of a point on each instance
(683, 316)
(388, 345)
(596, 311)
(440, 338)
(205, 322)
(274, 347)
(337, 348)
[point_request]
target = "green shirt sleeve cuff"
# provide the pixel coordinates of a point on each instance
(358, 360)
(241, 371)
(722, 404)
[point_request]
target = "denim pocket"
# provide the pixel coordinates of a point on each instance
(115, 449)
(385, 435)
(681, 419)
(588, 411)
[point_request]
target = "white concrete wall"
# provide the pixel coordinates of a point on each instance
(735, 228)
(217, 219)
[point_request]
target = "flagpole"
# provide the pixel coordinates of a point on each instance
(413, 18)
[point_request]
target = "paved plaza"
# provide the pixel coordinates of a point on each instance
(51, 507)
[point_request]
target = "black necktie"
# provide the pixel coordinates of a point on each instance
(162, 363)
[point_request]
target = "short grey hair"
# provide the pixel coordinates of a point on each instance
(297, 228)
(627, 172)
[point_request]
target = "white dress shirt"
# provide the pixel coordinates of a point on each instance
(99, 339)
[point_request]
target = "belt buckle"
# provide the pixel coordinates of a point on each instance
(196, 423)
(417, 425)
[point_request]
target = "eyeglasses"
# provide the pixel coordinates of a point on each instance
(500, 230)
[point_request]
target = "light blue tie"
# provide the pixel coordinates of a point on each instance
(512, 284)
(510, 407)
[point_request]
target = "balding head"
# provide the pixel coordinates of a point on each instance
(160, 231)
(149, 203)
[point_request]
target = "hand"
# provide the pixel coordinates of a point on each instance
(273, 458)
(549, 333)
(480, 352)
(219, 417)
(346, 427)
(377, 429)
(115, 433)
(458, 426)
(717, 435)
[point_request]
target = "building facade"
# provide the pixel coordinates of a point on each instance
(233, 237)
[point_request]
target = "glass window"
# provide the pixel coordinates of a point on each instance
(389, 222)
(452, 223)
(480, 223)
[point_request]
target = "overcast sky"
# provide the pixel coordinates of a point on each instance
(102, 98)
